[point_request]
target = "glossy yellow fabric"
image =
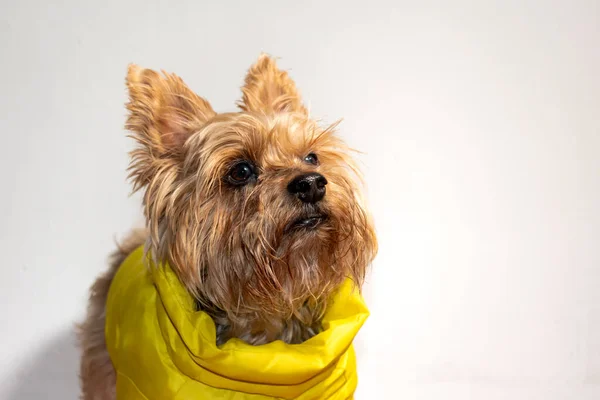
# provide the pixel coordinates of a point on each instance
(162, 348)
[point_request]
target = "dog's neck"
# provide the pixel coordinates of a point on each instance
(258, 329)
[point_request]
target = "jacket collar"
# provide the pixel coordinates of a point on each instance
(190, 337)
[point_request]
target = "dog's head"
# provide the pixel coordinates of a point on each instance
(258, 211)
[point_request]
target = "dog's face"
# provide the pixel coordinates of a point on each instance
(259, 211)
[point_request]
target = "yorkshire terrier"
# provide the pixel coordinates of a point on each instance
(259, 212)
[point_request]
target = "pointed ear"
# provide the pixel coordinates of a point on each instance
(163, 113)
(269, 89)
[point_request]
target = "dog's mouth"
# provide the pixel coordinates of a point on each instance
(307, 222)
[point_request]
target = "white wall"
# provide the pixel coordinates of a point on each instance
(481, 127)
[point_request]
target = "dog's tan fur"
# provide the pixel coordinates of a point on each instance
(96, 370)
(232, 246)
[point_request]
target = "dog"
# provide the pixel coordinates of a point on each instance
(258, 214)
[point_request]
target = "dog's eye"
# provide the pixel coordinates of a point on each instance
(240, 173)
(311, 159)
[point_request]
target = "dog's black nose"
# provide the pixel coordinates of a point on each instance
(310, 188)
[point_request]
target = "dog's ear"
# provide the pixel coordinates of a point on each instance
(163, 113)
(268, 89)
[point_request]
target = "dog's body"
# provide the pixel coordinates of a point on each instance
(257, 212)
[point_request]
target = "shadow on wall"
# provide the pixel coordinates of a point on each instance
(51, 374)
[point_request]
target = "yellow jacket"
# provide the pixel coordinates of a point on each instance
(163, 349)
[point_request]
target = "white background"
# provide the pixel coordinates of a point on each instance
(480, 123)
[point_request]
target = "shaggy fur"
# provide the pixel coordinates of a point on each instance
(244, 251)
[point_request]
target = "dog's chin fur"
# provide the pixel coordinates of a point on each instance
(257, 259)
